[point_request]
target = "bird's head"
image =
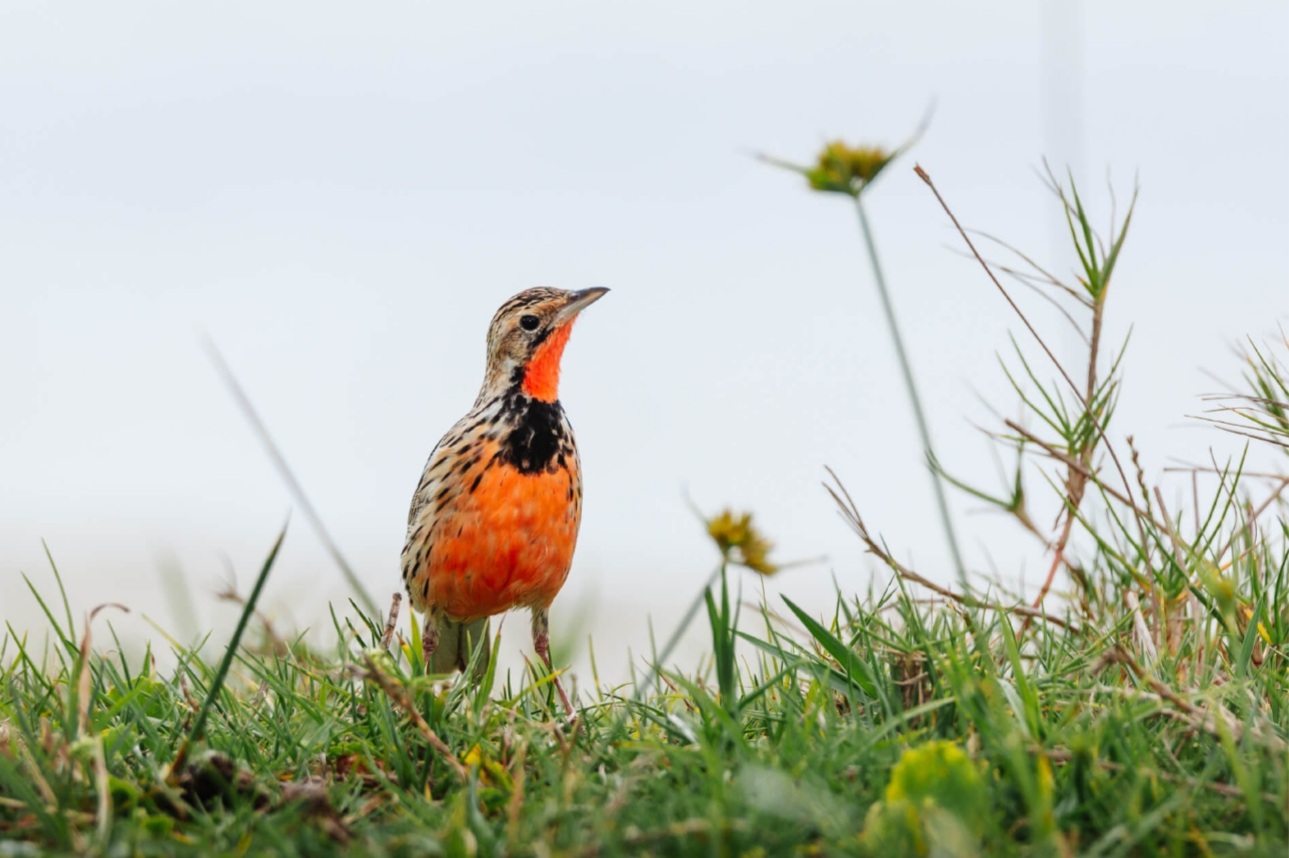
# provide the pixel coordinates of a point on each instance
(527, 336)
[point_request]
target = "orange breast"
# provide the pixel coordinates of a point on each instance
(504, 540)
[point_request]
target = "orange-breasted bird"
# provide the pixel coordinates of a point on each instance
(495, 517)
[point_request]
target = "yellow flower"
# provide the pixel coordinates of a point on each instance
(841, 168)
(490, 771)
(739, 542)
(847, 169)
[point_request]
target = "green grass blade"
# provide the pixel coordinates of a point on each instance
(221, 674)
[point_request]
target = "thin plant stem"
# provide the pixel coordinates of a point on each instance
(906, 370)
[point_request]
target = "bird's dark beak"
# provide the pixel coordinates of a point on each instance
(577, 302)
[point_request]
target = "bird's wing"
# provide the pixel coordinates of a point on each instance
(420, 518)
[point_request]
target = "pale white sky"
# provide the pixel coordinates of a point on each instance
(342, 196)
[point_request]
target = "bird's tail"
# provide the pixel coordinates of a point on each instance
(458, 644)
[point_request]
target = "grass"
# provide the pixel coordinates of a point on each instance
(1138, 705)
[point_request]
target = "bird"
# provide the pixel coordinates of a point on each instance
(494, 519)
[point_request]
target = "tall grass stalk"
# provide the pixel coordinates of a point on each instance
(851, 171)
(910, 385)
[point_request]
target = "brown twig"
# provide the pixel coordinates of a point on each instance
(1208, 721)
(1239, 429)
(926, 177)
(1063, 457)
(851, 513)
(1058, 557)
(399, 697)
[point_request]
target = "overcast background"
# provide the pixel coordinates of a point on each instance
(340, 196)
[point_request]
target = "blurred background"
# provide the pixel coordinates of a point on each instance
(340, 197)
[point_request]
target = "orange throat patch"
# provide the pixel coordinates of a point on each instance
(541, 376)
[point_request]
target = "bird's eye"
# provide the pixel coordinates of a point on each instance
(529, 323)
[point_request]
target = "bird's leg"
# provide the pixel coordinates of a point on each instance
(430, 636)
(542, 644)
(387, 636)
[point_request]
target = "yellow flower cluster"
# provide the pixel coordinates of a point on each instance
(841, 168)
(739, 542)
(847, 169)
